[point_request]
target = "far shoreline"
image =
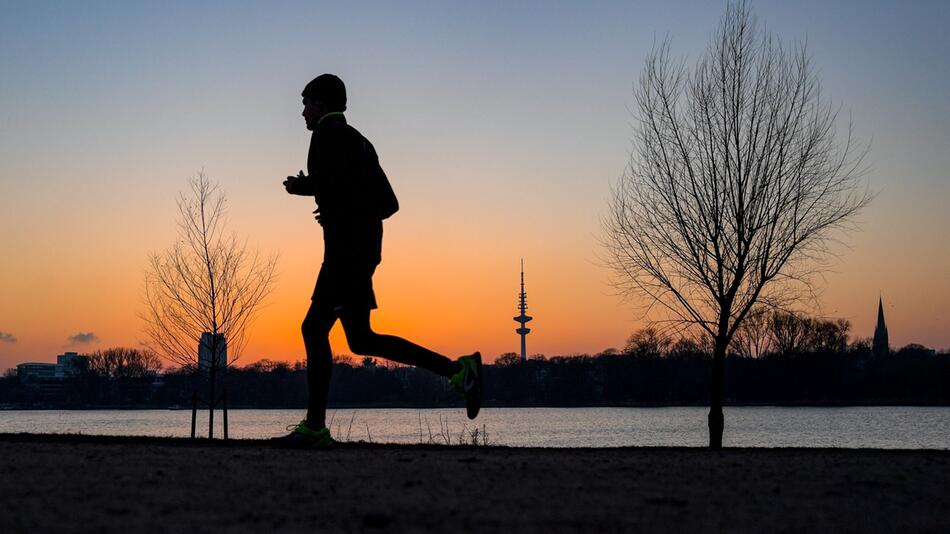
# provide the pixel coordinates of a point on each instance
(390, 406)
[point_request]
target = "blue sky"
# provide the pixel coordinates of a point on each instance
(498, 122)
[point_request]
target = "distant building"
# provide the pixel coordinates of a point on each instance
(40, 378)
(34, 372)
(204, 352)
(68, 364)
(880, 347)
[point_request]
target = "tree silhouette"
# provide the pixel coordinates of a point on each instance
(753, 338)
(122, 362)
(508, 359)
(207, 282)
(737, 182)
(647, 342)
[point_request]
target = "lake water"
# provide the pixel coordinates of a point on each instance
(853, 427)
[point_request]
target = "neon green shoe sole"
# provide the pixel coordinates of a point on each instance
(468, 382)
(304, 437)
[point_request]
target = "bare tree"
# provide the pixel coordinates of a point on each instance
(647, 342)
(207, 282)
(753, 338)
(737, 183)
(831, 336)
(793, 333)
(508, 359)
(122, 362)
(790, 332)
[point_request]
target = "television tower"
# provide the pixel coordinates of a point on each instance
(523, 318)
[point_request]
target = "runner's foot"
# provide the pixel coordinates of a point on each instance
(468, 382)
(303, 437)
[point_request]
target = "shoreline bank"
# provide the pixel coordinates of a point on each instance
(112, 484)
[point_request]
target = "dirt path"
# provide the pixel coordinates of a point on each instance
(88, 484)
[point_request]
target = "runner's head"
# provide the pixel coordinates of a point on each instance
(324, 94)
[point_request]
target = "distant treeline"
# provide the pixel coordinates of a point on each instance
(650, 370)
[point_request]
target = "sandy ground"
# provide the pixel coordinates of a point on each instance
(95, 484)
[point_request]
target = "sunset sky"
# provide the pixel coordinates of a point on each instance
(500, 124)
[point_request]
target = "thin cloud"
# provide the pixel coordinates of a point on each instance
(83, 338)
(7, 337)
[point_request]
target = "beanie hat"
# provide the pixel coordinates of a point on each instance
(328, 89)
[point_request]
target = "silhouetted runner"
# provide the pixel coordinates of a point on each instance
(353, 197)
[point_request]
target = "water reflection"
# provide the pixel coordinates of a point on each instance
(876, 427)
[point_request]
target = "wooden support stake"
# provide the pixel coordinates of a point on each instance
(224, 404)
(194, 412)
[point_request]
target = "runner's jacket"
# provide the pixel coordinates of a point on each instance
(352, 192)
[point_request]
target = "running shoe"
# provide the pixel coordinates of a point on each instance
(468, 382)
(303, 437)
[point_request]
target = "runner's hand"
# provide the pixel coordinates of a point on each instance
(290, 184)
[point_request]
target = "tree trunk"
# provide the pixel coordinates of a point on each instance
(716, 419)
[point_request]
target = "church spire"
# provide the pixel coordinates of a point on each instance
(880, 346)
